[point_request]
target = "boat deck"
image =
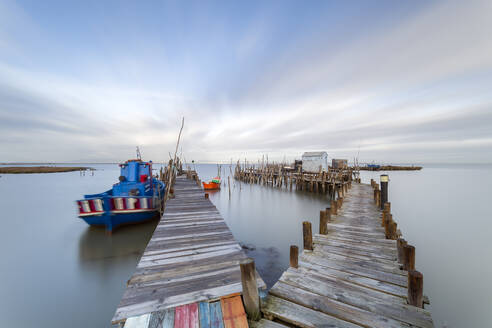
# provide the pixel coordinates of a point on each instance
(189, 274)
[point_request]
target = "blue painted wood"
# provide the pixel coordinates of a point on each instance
(204, 314)
(263, 293)
(216, 315)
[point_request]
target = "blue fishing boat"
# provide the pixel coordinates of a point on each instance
(136, 198)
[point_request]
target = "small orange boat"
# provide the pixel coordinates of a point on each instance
(212, 185)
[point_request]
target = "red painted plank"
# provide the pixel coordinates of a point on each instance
(186, 316)
(233, 312)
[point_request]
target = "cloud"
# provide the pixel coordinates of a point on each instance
(411, 87)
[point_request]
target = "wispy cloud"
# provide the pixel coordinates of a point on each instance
(410, 87)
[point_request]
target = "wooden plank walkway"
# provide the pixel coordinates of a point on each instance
(350, 279)
(192, 257)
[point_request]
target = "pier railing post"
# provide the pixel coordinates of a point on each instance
(307, 235)
(323, 221)
(333, 207)
(250, 289)
(415, 295)
(294, 256)
(328, 214)
(400, 242)
(408, 257)
(384, 189)
(386, 211)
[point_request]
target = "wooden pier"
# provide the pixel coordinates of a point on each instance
(351, 274)
(189, 274)
(333, 182)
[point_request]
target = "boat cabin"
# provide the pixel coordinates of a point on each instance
(135, 179)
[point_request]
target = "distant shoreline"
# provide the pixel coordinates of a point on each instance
(391, 168)
(41, 169)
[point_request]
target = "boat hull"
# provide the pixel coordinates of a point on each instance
(114, 220)
(211, 185)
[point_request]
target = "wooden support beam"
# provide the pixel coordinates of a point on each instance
(400, 242)
(323, 221)
(408, 257)
(294, 256)
(251, 298)
(307, 234)
(415, 288)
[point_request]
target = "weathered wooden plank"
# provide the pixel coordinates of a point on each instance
(357, 269)
(300, 316)
(313, 269)
(391, 267)
(141, 321)
(334, 308)
(204, 314)
(186, 316)
(216, 320)
(263, 323)
(233, 312)
(162, 319)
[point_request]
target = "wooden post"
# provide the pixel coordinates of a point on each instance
(376, 188)
(400, 242)
(387, 225)
(206, 196)
(384, 189)
(323, 220)
(328, 214)
(408, 257)
(415, 288)
(392, 229)
(378, 198)
(386, 211)
(250, 289)
(294, 256)
(339, 202)
(307, 235)
(333, 206)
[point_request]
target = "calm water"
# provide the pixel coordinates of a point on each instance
(58, 272)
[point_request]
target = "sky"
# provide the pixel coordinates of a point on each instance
(384, 81)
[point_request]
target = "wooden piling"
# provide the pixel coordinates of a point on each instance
(400, 242)
(328, 214)
(323, 223)
(251, 298)
(408, 257)
(294, 256)
(384, 189)
(307, 235)
(206, 196)
(333, 207)
(415, 288)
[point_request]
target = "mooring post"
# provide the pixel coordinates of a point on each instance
(250, 289)
(415, 288)
(384, 189)
(294, 256)
(386, 211)
(206, 196)
(400, 242)
(328, 214)
(333, 206)
(307, 234)
(323, 221)
(387, 225)
(408, 257)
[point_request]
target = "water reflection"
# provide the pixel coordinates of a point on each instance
(96, 245)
